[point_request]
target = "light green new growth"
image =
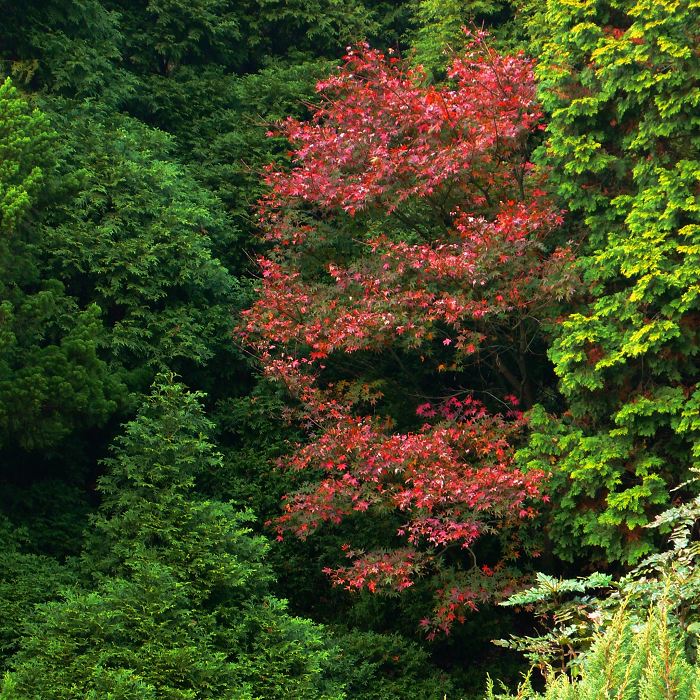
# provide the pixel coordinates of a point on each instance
(630, 660)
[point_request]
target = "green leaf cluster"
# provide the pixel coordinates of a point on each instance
(619, 80)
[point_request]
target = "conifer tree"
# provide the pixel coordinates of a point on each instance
(176, 603)
(620, 81)
(52, 379)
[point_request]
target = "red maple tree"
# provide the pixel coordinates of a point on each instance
(411, 224)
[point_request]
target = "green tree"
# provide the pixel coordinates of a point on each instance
(178, 603)
(140, 238)
(440, 28)
(67, 46)
(620, 81)
(27, 580)
(379, 666)
(52, 379)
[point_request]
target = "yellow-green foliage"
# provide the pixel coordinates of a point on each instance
(631, 660)
(24, 136)
(620, 79)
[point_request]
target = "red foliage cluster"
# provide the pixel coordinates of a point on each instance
(377, 570)
(445, 477)
(448, 166)
(381, 137)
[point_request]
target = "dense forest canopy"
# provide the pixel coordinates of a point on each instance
(349, 349)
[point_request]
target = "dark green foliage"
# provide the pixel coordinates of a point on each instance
(231, 145)
(178, 607)
(52, 379)
(441, 24)
(54, 512)
(27, 580)
(49, 349)
(70, 46)
(162, 36)
(378, 666)
(248, 473)
(137, 238)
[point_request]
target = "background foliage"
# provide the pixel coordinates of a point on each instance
(139, 443)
